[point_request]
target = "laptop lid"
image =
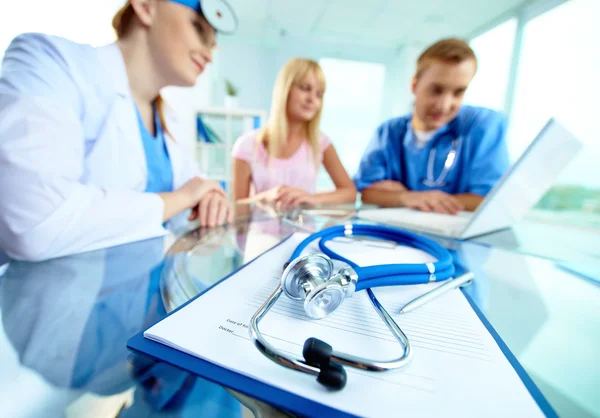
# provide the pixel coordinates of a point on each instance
(524, 184)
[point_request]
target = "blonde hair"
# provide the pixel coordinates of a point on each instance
(450, 50)
(121, 23)
(276, 132)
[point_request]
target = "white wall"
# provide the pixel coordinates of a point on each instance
(250, 68)
(253, 68)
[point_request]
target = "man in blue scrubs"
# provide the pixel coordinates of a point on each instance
(444, 157)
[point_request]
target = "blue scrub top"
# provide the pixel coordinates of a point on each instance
(481, 155)
(160, 170)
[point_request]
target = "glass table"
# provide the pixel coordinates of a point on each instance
(65, 322)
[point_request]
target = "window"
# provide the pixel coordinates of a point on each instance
(558, 77)
(81, 21)
(351, 110)
(494, 50)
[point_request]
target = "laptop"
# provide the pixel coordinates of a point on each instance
(521, 187)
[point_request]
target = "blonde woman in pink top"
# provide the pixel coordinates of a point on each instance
(280, 163)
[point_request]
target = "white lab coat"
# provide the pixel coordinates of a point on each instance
(72, 163)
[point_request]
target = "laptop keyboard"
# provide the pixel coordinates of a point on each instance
(442, 224)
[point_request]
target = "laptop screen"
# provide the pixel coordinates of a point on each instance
(524, 184)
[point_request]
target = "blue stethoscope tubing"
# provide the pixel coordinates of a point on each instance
(386, 274)
(319, 358)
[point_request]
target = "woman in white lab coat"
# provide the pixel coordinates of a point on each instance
(89, 155)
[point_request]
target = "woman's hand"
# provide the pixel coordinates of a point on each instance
(206, 198)
(283, 197)
(213, 209)
(196, 189)
(287, 197)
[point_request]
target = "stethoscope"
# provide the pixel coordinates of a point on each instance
(430, 180)
(311, 279)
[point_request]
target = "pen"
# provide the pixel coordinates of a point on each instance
(465, 279)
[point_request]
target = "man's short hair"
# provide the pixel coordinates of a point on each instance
(451, 50)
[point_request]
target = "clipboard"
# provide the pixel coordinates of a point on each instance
(286, 400)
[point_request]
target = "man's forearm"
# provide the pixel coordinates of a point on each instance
(469, 200)
(389, 193)
(396, 198)
(383, 198)
(384, 193)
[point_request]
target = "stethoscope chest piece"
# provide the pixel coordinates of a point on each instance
(311, 279)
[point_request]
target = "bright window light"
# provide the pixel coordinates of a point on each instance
(494, 50)
(351, 109)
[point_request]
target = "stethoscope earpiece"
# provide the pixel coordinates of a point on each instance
(317, 353)
(332, 376)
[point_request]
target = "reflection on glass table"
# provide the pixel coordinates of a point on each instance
(217, 252)
(68, 321)
(548, 240)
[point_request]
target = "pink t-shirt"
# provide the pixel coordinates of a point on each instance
(296, 171)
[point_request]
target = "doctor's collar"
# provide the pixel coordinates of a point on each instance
(218, 13)
(454, 125)
(450, 126)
